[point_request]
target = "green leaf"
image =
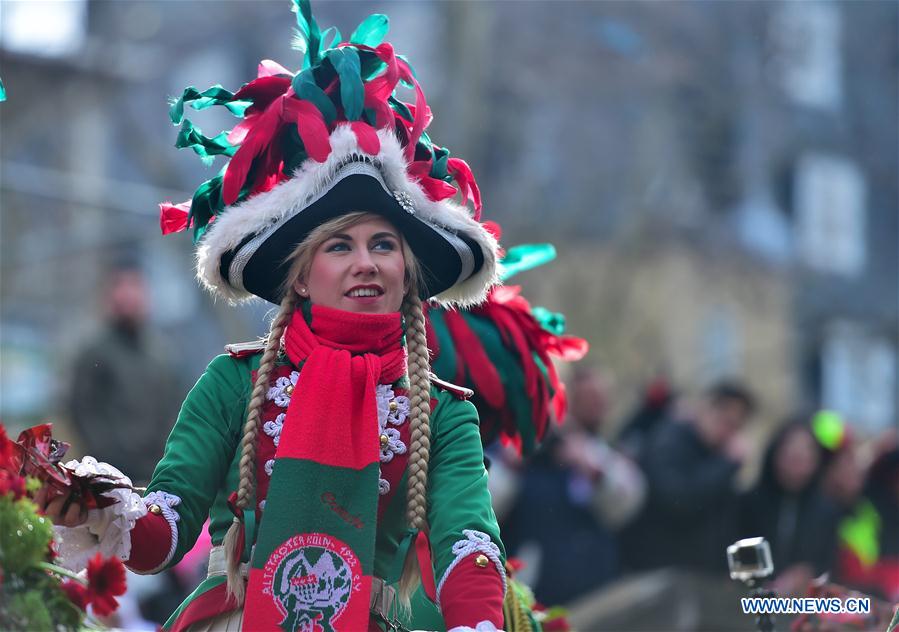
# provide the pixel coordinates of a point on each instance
(346, 63)
(371, 31)
(305, 87)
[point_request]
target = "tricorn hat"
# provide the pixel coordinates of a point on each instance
(330, 139)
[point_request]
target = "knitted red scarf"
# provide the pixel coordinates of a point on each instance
(313, 560)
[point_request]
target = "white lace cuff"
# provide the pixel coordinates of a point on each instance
(107, 531)
(483, 626)
(166, 503)
(475, 542)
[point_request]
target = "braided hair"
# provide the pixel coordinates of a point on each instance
(246, 489)
(420, 443)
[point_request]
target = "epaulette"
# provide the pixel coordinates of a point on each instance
(244, 349)
(459, 391)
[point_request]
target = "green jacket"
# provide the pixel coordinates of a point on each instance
(200, 466)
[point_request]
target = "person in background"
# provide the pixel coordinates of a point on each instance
(575, 493)
(691, 466)
(655, 406)
(787, 507)
(868, 531)
(869, 539)
(124, 397)
(123, 400)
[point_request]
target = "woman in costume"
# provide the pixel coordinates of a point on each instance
(332, 465)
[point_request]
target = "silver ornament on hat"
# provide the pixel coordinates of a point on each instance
(405, 201)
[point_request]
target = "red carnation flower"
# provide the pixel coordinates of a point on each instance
(105, 581)
(76, 593)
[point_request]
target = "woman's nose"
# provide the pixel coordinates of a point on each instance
(363, 263)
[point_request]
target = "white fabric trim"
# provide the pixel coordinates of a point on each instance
(483, 626)
(386, 416)
(106, 531)
(475, 542)
(270, 466)
(393, 446)
(167, 502)
(279, 393)
(273, 428)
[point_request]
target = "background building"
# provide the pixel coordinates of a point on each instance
(720, 177)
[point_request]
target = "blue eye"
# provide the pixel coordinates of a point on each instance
(384, 244)
(337, 247)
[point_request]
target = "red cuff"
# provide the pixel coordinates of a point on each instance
(151, 541)
(472, 594)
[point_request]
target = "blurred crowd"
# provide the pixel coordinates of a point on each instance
(667, 493)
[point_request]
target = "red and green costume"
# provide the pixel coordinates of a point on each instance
(200, 469)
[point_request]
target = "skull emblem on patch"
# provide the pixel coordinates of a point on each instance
(311, 587)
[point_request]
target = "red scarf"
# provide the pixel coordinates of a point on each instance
(314, 556)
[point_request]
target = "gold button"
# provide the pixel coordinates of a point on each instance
(384, 440)
(481, 561)
(155, 509)
(288, 389)
(393, 406)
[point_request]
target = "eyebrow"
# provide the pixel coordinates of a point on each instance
(380, 235)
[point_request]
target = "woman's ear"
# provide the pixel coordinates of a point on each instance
(300, 288)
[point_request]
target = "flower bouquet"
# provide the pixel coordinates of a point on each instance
(35, 592)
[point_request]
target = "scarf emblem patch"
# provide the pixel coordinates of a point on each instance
(311, 578)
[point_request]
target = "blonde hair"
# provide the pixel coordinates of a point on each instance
(419, 371)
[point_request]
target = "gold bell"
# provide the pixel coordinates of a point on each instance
(288, 389)
(384, 440)
(155, 509)
(393, 406)
(481, 561)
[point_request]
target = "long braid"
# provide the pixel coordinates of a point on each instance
(420, 443)
(246, 490)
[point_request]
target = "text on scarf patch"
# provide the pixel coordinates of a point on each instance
(329, 499)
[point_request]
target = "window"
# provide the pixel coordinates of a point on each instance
(805, 38)
(829, 201)
(858, 376)
(51, 28)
